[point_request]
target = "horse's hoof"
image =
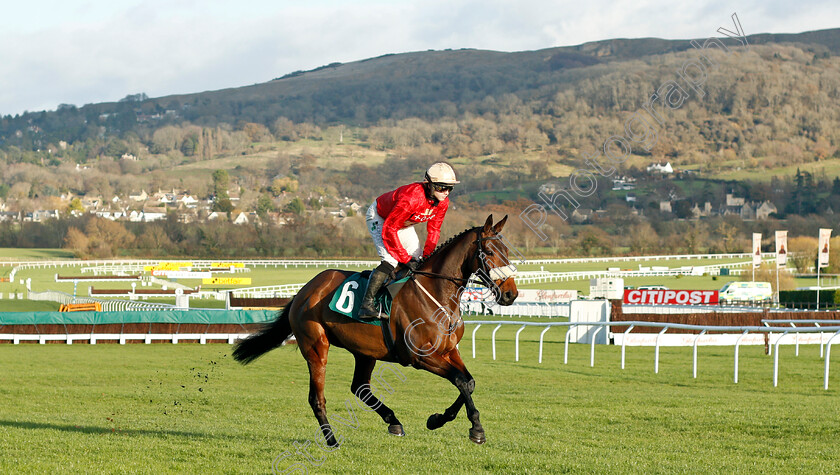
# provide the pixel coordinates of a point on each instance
(477, 437)
(396, 429)
(333, 443)
(435, 421)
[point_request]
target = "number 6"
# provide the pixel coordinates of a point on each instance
(345, 300)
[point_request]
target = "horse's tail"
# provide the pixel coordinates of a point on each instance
(267, 339)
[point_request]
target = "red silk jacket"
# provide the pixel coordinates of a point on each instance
(407, 206)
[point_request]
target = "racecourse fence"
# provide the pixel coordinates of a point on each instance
(538, 277)
(108, 305)
(779, 332)
(132, 265)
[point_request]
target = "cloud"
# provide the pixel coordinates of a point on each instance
(102, 51)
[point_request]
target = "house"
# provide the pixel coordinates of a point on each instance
(663, 168)
(9, 216)
(630, 198)
(277, 219)
(91, 202)
(112, 215)
(188, 201)
(698, 212)
(216, 215)
(624, 183)
(234, 196)
(732, 200)
(747, 212)
(764, 210)
(187, 216)
(734, 205)
(142, 196)
(241, 218)
(582, 215)
(154, 214)
(665, 206)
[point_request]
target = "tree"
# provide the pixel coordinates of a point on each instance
(283, 184)
(75, 205)
(295, 206)
(76, 241)
(107, 237)
(221, 181)
(154, 238)
(264, 206)
(728, 233)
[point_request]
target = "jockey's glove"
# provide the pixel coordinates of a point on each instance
(412, 264)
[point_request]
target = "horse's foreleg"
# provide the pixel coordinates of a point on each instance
(361, 389)
(452, 368)
(436, 421)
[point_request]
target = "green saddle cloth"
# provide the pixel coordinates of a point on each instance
(347, 299)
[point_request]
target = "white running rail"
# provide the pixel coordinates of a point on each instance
(744, 330)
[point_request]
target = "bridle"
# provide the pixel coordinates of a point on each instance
(487, 276)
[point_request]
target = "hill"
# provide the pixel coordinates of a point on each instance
(765, 128)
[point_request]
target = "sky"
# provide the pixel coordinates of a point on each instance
(79, 52)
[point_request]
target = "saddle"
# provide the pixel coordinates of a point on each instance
(347, 300)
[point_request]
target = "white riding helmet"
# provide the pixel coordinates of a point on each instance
(441, 173)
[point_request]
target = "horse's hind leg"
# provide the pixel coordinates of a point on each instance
(316, 358)
(361, 389)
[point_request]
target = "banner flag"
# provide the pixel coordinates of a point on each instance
(756, 246)
(781, 249)
(825, 235)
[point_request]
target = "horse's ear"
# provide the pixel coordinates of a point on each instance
(488, 224)
(498, 227)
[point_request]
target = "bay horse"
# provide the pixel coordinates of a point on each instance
(423, 340)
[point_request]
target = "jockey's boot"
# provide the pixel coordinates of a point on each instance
(375, 282)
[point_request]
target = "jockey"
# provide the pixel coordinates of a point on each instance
(390, 220)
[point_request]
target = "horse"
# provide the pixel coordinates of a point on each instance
(425, 317)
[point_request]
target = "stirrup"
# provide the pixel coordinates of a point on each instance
(365, 312)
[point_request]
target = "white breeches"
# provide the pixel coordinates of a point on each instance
(408, 237)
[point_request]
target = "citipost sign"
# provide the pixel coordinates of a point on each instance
(671, 297)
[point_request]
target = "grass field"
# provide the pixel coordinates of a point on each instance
(830, 167)
(18, 254)
(189, 408)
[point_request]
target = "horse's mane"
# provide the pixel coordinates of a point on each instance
(449, 241)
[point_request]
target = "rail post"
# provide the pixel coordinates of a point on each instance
(566, 344)
(656, 351)
(592, 346)
(696, 340)
(776, 360)
(738, 347)
(517, 341)
(624, 344)
(473, 338)
(828, 357)
(494, 340)
(541, 341)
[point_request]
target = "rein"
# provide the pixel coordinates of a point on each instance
(486, 275)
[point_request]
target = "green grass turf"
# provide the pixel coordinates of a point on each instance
(23, 305)
(189, 408)
(22, 254)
